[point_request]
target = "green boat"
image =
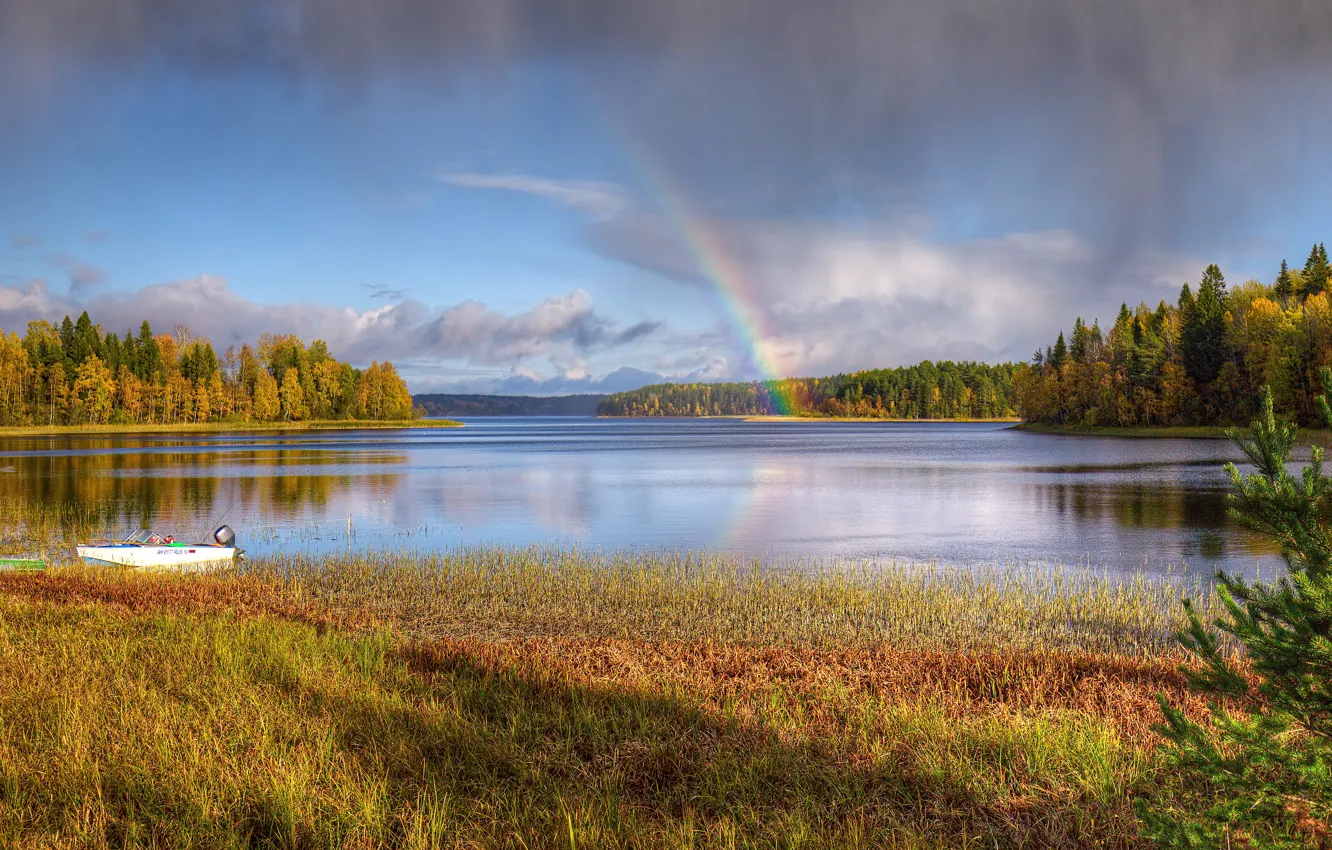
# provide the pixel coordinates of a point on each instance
(22, 565)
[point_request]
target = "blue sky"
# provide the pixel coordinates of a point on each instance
(479, 195)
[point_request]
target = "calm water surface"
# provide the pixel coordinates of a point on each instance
(956, 492)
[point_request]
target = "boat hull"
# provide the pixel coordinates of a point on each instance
(159, 557)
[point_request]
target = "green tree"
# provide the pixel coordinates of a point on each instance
(1285, 284)
(1203, 327)
(1060, 353)
(1315, 271)
(1260, 771)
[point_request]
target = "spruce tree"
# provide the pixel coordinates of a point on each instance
(1285, 285)
(1060, 354)
(1315, 271)
(1258, 772)
(1077, 349)
(1203, 327)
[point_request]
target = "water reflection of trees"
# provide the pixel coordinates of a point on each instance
(1152, 506)
(146, 486)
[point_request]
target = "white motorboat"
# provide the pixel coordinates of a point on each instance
(154, 552)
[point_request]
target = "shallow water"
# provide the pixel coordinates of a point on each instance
(955, 492)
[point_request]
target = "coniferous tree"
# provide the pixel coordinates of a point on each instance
(1315, 271)
(1077, 349)
(1203, 328)
(1060, 354)
(1259, 771)
(1285, 284)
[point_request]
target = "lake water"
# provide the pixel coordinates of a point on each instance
(960, 493)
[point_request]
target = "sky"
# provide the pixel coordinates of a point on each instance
(549, 196)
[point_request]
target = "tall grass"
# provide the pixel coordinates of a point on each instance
(501, 592)
(175, 729)
(548, 697)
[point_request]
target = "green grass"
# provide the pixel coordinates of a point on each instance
(504, 592)
(186, 729)
(224, 427)
(1305, 436)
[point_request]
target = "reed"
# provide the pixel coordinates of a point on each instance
(205, 728)
(553, 697)
(504, 592)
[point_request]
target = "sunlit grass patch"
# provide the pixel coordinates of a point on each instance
(188, 728)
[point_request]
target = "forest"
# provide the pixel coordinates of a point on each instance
(467, 404)
(1199, 361)
(943, 390)
(77, 374)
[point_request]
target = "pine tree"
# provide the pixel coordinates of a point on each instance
(1203, 327)
(1078, 347)
(1259, 773)
(1315, 271)
(1060, 354)
(1285, 285)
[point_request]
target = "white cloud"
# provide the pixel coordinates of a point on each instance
(828, 299)
(594, 197)
(423, 340)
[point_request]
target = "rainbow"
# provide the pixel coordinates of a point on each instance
(733, 284)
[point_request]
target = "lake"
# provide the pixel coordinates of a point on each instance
(961, 493)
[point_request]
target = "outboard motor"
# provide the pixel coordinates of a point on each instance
(225, 536)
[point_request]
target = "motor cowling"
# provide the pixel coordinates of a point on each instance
(225, 536)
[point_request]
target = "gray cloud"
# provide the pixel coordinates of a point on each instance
(82, 276)
(21, 241)
(1127, 120)
(562, 328)
(516, 383)
(825, 299)
(381, 290)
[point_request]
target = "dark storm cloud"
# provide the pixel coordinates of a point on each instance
(1130, 120)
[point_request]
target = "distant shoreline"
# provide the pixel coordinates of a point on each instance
(861, 419)
(750, 417)
(226, 427)
(1186, 432)
(1305, 436)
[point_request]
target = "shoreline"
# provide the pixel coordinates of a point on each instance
(774, 418)
(1304, 436)
(225, 427)
(752, 417)
(392, 713)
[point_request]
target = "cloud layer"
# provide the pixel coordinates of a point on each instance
(468, 337)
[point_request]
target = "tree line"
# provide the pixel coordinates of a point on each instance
(944, 390)
(1202, 360)
(468, 404)
(75, 373)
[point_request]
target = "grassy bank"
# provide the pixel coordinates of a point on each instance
(225, 427)
(862, 419)
(545, 698)
(1305, 436)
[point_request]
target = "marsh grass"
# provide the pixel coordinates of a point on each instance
(546, 697)
(191, 728)
(504, 592)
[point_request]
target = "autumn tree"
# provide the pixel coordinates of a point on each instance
(291, 396)
(95, 390)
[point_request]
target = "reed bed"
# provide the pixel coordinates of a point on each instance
(502, 592)
(551, 697)
(172, 728)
